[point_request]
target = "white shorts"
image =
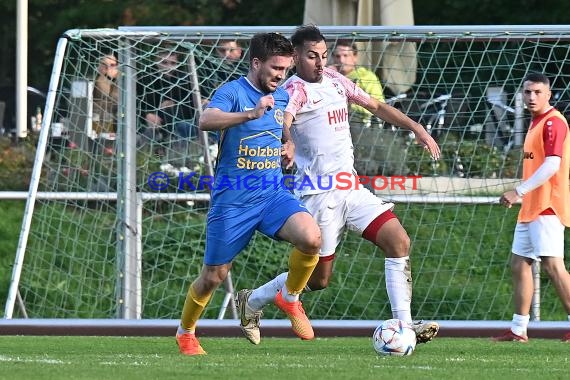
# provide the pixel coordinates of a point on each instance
(337, 209)
(541, 237)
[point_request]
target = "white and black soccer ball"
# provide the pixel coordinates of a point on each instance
(394, 337)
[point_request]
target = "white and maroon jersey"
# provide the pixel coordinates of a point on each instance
(320, 130)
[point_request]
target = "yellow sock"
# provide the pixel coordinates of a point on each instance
(301, 266)
(193, 308)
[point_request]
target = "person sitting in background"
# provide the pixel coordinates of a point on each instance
(167, 107)
(230, 51)
(106, 95)
(345, 60)
(231, 69)
(227, 67)
(168, 104)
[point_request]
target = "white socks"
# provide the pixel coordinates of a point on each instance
(399, 287)
(181, 330)
(265, 294)
(288, 297)
(520, 324)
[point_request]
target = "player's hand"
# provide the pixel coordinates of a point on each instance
(509, 198)
(425, 140)
(288, 154)
(265, 103)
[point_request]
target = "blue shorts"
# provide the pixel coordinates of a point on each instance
(230, 228)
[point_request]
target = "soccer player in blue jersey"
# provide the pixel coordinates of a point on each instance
(247, 194)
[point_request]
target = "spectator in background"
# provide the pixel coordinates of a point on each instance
(230, 51)
(225, 66)
(106, 95)
(231, 69)
(345, 60)
(168, 108)
(168, 105)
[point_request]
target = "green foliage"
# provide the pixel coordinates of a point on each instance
(460, 269)
(96, 235)
(10, 224)
(16, 161)
(490, 12)
(48, 20)
(474, 159)
(468, 158)
(270, 12)
(419, 162)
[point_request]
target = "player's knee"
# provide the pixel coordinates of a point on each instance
(519, 264)
(405, 243)
(209, 280)
(551, 268)
(399, 246)
(210, 284)
(311, 244)
(402, 243)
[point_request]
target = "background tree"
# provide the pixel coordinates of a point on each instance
(48, 19)
(491, 12)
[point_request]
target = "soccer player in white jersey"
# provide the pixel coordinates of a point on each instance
(316, 119)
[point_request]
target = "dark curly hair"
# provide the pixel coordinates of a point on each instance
(306, 33)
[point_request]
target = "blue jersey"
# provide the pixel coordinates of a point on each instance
(249, 160)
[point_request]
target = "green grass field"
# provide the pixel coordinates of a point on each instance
(31, 357)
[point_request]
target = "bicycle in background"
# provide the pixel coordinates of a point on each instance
(393, 101)
(499, 131)
(434, 112)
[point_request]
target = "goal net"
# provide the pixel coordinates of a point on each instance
(115, 219)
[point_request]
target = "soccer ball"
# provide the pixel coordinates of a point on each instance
(394, 337)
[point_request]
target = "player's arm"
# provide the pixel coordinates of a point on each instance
(553, 136)
(394, 116)
(548, 168)
(288, 148)
(297, 98)
(214, 119)
(287, 122)
(388, 113)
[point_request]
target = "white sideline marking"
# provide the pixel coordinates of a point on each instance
(131, 360)
(133, 364)
(17, 359)
(275, 365)
(422, 367)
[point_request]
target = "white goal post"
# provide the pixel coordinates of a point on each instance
(106, 237)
